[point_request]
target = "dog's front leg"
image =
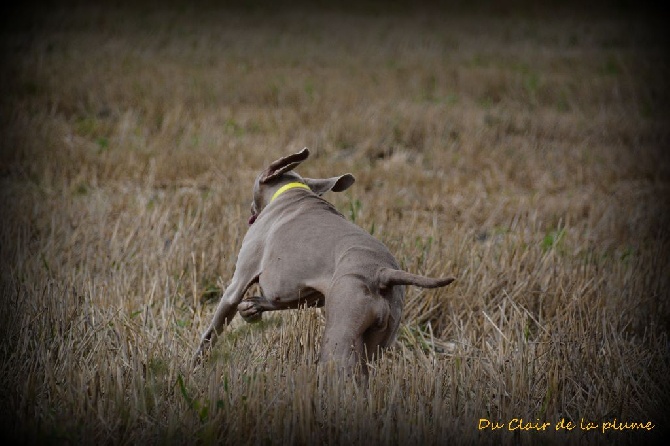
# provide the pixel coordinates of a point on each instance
(224, 313)
(252, 308)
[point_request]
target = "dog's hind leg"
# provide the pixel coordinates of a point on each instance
(388, 307)
(350, 312)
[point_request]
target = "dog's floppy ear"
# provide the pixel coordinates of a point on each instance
(336, 184)
(283, 165)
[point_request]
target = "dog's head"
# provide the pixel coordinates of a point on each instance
(279, 173)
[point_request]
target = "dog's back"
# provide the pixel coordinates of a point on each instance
(305, 237)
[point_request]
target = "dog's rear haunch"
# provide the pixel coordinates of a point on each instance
(303, 252)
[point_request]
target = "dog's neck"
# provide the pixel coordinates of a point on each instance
(286, 187)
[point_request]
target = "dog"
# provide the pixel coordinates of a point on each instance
(303, 252)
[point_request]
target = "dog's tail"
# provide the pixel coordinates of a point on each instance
(389, 277)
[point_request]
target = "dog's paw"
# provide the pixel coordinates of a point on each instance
(206, 342)
(198, 358)
(250, 311)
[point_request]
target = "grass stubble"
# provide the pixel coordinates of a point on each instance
(522, 154)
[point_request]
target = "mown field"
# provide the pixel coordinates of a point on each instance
(522, 151)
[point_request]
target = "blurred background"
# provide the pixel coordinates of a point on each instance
(520, 146)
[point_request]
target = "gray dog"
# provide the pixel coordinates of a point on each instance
(303, 252)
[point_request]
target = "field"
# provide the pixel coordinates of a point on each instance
(523, 151)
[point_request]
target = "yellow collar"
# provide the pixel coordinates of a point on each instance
(286, 187)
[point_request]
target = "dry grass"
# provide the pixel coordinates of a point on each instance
(526, 155)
